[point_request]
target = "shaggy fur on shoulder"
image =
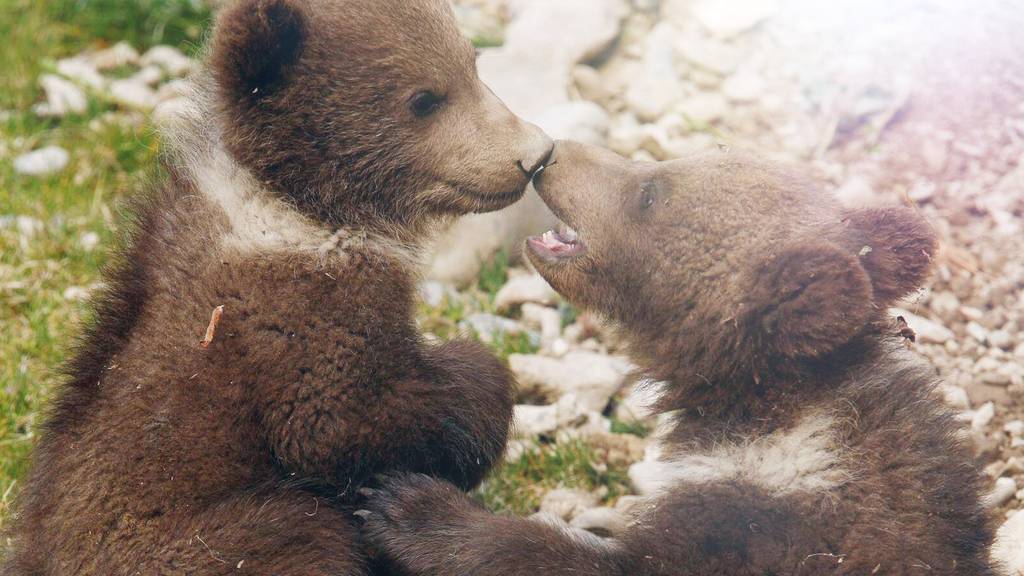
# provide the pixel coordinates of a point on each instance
(321, 143)
(806, 439)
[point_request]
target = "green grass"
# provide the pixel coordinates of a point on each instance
(107, 160)
(519, 486)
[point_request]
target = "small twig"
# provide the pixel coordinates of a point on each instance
(211, 329)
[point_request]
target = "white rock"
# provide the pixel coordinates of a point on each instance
(81, 71)
(528, 288)
(89, 241)
(41, 162)
(927, 331)
(1009, 545)
(132, 94)
(545, 39)
(1004, 490)
(658, 87)
(567, 503)
(580, 121)
(548, 320)
(977, 331)
(744, 86)
(1001, 339)
(62, 97)
(1014, 428)
(955, 396)
(169, 58)
(945, 304)
(120, 54)
(529, 420)
(730, 18)
(28, 226)
(487, 326)
(601, 521)
(150, 75)
(591, 377)
(75, 293)
(710, 55)
(704, 107)
(982, 416)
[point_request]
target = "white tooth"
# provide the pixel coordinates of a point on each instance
(570, 232)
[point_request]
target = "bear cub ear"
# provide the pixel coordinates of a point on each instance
(895, 246)
(808, 300)
(255, 43)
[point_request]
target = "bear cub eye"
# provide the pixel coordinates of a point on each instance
(425, 103)
(647, 195)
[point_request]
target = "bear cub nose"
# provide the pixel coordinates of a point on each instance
(538, 156)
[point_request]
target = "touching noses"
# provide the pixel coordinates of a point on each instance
(538, 155)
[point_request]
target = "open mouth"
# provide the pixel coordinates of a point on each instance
(557, 246)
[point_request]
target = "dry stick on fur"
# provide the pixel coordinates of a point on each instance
(211, 329)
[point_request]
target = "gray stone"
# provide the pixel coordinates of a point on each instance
(62, 97)
(1004, 491)
(132, 94)
(1009, 546)
(526, 288)
(928, 331)
(730, 18)
(591, 377)
(657, 88)
(567, 503)
(169, 58)
(42, 162)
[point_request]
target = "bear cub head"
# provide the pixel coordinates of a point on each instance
(723, 266)
(367, 110)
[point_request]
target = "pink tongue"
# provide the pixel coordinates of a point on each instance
(551, 241)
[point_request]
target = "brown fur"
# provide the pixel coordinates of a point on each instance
(163, 456)
(761, 305)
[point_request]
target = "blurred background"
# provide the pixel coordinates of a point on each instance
(915, 102)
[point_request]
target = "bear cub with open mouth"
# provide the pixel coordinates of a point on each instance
(806, 439)
(325, 139)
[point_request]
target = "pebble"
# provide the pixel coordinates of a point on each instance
(530, 420)
(487, 326)
(982, 416)
(89, 241)
(132, 94)
(62, 97)
(927, 331)
(743, 87)
(76, 293)
(704, 107)
(42, 162)
(169, 58)
(730, 18)
(1005, 490)
(1009, 544)
(657, 87)
(590, 376)
(977, 331)
(567, 503)
(602, 521)
(120, 54)
(521, 289)
(81, 71)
